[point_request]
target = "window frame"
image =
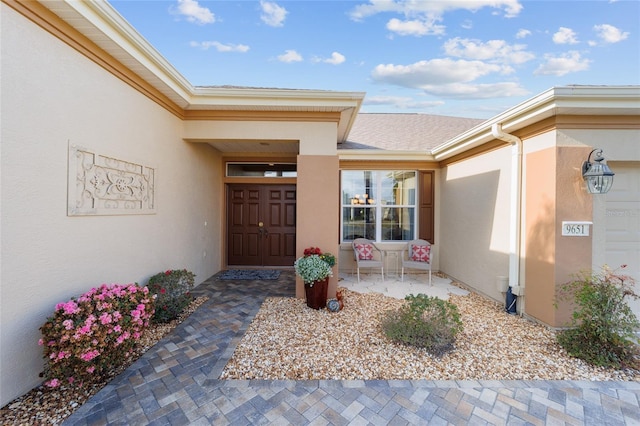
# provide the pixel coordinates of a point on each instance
(279, 169)
(378, 177)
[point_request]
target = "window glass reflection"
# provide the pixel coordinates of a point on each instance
(398, 224)
(358, 188)
(398, 188)
(358, 222)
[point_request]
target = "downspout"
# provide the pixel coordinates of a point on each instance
(515, 218)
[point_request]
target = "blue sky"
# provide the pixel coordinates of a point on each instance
(469, 58)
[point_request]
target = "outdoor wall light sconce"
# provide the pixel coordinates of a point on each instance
(597, 175)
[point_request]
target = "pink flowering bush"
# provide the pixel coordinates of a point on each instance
(88, 336)
(172, 291)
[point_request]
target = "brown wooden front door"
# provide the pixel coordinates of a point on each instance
(261, 225)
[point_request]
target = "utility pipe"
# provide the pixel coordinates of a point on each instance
(515, 218)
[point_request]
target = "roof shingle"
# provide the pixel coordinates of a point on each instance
(405, 132)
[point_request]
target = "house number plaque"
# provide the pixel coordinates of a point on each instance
(575, 229)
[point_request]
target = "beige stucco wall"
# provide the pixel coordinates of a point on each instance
(53, 96)
(618, 145)
(554, 193)
(474, 225)
(318, 210)
(474, 220)
(621, 148)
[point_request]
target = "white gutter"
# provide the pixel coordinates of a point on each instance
(515, 218)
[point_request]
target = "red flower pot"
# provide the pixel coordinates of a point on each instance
(317, 294)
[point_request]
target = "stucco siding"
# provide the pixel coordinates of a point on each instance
(618, 210)
(553, 195)
(554, 191)
(318, 210)
(53, 97)
(474, 220)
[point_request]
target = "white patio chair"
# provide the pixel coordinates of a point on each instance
(417, 255)
(367, 255)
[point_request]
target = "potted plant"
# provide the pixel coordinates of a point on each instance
(314, 267)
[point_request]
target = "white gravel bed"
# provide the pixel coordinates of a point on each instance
(288, 340)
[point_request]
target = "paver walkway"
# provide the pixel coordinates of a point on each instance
(176, 383)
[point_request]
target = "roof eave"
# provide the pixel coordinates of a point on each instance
(101, 23)
(103, 16)
(569, 100)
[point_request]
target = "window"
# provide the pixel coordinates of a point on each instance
(262, 169)
(378, 205)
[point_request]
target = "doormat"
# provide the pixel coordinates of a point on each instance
(249, 274)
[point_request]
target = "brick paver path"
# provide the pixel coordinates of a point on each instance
(176, 383)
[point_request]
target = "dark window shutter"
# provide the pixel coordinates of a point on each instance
(426, 211)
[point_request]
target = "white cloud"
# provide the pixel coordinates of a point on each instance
(496, 50)
(374, 7)
(610, 34)
(220, 47)
(194, 12)
(476, 91)
(415, 27)
(273, 14)
(522, 33)
(335, 59)
(400, 102)
(448, 78)
(562, 65)
(433, 10)
(565, 36)
(433, 72)
(290, 56)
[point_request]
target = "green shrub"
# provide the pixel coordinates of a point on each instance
(172, 290)
(88, 336)
(603, 326)
(425, 322)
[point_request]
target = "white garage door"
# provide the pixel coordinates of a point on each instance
(623, 223)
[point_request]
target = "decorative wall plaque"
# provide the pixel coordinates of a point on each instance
(104, 185)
